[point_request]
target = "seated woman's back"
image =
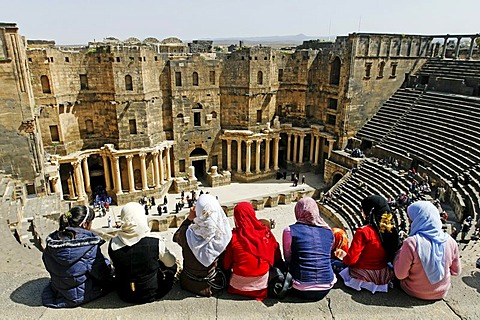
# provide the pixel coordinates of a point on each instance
(79, 272)
(428, 256)
(203, 236)
(144, 267)
(307, 247)
(250, 254)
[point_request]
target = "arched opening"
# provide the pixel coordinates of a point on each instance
(336, 178)
(128, 83)
(260, 77)
(195, 79)
(335, 71)
(199, 159)
(45, 84)
(198, 152)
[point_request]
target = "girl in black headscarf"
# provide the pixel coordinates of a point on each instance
(373, 246)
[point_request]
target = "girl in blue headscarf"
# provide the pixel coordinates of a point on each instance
(428, 256)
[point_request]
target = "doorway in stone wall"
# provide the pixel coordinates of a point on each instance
(199, 160)
(200, 171)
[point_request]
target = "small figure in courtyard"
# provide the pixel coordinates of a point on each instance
(303, 179)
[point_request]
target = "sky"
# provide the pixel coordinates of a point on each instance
(78, 22)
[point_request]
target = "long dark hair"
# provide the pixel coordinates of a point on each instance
(380, 217)
(73, 219)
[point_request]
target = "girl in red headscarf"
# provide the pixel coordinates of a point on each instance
(250, 254)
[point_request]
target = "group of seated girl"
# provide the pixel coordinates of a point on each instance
(216, 257)
(423, 263)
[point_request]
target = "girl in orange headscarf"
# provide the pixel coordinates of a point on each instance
(250, 254)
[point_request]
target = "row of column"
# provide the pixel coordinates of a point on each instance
(161, 171)
(317, 145)
(457, 47)
(248, 160)
(111, 167)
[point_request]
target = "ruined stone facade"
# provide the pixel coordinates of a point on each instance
(21, 143)
(133, 116)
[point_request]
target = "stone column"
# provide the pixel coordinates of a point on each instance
(295, 148)
(143, 169)
(317, 149)
(191, 173)
(239, 156)
(169, 168)
(457, 49)
(78, 180)
(444, 49)
(71, 187)
(156, 170)
(106, 172)
(300, 156)
(330, 147)
(470, 51)
(267, 154)
(276, 142)
(229, 155)
(162, 167)
(312, 146)
(249, 156)
(257, 156)
(86, 175)
(289, 139)
(117, 177)
(131, 179)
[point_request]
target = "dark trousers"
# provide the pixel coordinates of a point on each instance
(310, 295)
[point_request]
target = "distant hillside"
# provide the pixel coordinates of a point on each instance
(269, 40)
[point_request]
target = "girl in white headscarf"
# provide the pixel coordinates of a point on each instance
(428, 256)
(203, 236)
(144, 267)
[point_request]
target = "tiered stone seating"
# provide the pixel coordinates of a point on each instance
(388, 115)
(16, 257)
(441, 130)
(456, 69)
(370, 178)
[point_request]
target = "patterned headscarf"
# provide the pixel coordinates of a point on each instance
(210, 233)
(254, 236)
(426, 227)
(306, 212)
(134, 226)
(340, 240)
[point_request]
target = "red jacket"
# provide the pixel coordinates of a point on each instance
(366, 250)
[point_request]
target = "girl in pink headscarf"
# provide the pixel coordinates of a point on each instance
(307, 246)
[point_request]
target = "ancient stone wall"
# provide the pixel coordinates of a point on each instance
(195, 109)
(21, 151)
(248, 87)
(378, 68)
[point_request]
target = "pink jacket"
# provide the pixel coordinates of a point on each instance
(413, 280)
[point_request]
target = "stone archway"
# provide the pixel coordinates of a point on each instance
(198, 158)
(336, 177)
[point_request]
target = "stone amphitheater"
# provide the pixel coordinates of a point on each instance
(120, 115)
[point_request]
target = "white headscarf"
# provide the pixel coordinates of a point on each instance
(210, 233)
(134, 228)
